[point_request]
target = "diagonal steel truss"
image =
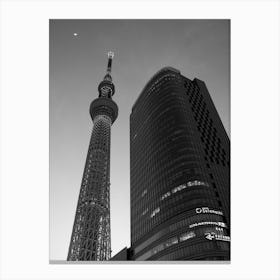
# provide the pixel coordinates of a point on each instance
(90, 238)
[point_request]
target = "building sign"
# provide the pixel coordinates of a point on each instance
(207, 210)
(214, 236)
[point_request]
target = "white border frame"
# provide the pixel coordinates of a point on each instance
(254, 137)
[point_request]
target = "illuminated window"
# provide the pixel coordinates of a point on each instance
(186, 236)
(145, 212)
(171, 241)
(183, 186)
(155, 212)
(157, 249)
(144, 192)
(197, 183)
(179, 188)
(165, 195)
(218, 229)
(221, 224)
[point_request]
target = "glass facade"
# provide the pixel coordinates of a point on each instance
(179, 160)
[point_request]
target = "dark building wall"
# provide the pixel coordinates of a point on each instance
(179, 172)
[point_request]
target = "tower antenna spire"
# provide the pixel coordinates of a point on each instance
(106, 88)
(110, 59)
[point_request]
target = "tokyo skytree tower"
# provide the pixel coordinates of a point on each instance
(91, 234)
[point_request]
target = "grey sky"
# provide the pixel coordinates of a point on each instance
(198, 48)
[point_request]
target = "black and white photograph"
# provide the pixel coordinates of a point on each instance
(139, 140)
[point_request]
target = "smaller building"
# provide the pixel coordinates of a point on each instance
(123, 255)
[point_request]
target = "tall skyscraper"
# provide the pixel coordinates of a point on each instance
(91, 236)
(180, 174)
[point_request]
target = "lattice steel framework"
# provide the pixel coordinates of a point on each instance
(91, 236)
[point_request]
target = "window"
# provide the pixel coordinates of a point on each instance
(186, 236)
(179, 188)
(197, 183)
(145, 212)
(171, 241)
(144, 193)
(220, 224)
(165, 196)
(155, 212)
(157, 249)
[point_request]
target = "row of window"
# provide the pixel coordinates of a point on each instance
(144, 99)
(148, 109)
(183, 237)
(174, 240)
(169, 156)
(156, 127)
(220, 224)
(173, 191)
(184, 186)
(208, 249)
(164, 103)
(153, 117)
(175, 175)
(151, 175)
(157, 210)
(179, 204)
(205, 124)
(157, 184)
(196, 217)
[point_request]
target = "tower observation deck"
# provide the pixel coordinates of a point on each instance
(91, 234)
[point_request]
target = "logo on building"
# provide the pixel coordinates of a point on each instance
(207, 210)
(213, 235)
